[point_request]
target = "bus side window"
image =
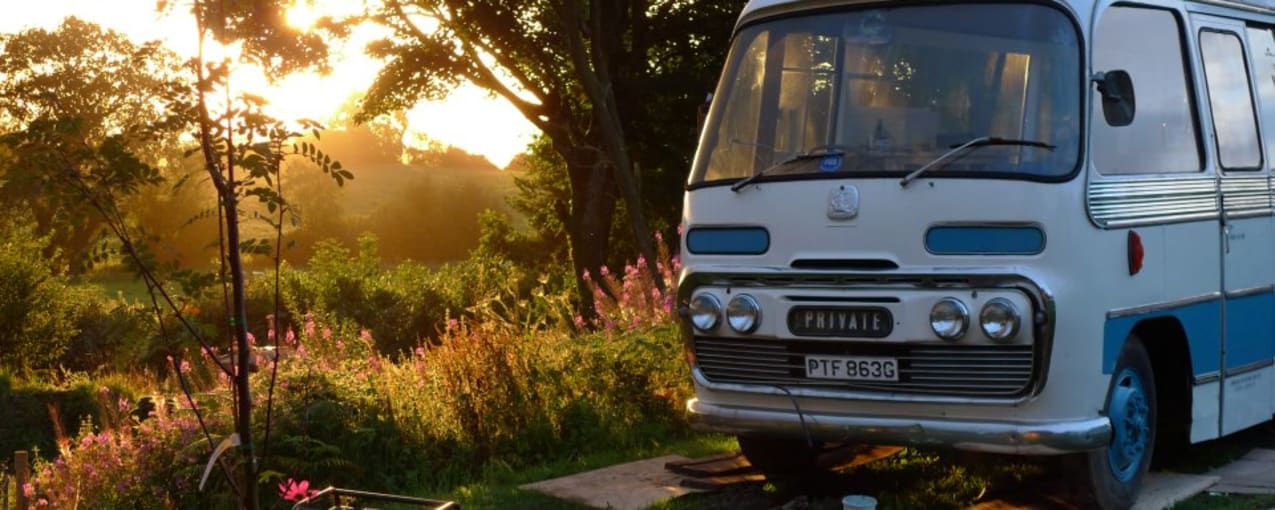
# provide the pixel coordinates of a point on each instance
(1230, 100)
(1163, 137)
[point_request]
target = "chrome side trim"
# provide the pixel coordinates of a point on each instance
(814, 392)
(1043, 312)
(1251, 291)
(1130, 202)
(1207, 377)
(1166, 305)
(1251, 367)
(1248, 196)
(1027, 438)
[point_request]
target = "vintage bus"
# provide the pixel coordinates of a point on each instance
(1035, 227)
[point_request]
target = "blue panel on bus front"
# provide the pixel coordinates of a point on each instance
(1202, 323)
(728, 241)
(984, 240)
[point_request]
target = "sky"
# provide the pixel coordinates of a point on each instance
(470, 119)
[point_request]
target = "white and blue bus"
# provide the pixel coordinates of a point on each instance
(1035, 227)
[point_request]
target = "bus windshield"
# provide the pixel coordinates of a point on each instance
(888, 90)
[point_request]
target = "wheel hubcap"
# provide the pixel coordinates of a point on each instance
(1131, 425)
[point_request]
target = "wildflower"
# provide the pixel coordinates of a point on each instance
(327, 332)
(659, 237)
(290, 337)
(340, 345)
(365, 335)
(453, 325)
(681, 228)
(420, 351)
(295, 491)
(579, 321)
(28, 490)
(252, 340)
(309, 327)
(185, 367)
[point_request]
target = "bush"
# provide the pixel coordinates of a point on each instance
(37, 306)
(30, 410)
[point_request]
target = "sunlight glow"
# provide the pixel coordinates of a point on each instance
(469, 119)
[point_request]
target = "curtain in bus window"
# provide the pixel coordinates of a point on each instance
(1146, 43)
(1231, 100)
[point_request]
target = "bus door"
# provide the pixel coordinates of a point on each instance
(1248, 322)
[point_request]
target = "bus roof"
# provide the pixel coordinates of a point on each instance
(754, 6)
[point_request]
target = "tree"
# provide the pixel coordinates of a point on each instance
(81, 101)
(574, 68)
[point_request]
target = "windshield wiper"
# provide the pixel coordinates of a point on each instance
(981, 141)
(805, 156)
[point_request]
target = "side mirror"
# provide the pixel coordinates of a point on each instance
(1118, 103)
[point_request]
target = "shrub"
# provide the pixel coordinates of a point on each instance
(37, 306)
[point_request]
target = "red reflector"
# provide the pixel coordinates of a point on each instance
(1135, 253)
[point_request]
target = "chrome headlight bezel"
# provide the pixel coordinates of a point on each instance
(743, 314)
(704, 312)
(949, 319)
(1000, 320)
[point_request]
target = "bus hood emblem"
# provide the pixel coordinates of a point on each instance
(843, 203)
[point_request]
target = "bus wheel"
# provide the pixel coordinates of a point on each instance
(779, 458)
(1112, 476)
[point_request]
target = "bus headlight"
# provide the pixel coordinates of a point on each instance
(999, 320)
(949, 319)
(705, 312)
(743, 314)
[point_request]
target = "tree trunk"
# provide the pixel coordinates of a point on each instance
(592, 209)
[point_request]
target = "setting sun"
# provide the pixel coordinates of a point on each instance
(469, 119)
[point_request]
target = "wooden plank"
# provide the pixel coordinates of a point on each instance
(22, 467)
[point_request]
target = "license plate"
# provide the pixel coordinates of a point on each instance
(852, 368)
(846, 321)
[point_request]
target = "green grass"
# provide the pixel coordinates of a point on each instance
(1207, 501)
(119, 283)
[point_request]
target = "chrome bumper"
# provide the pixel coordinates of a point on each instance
(1047, 438)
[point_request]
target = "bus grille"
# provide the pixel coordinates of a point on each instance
(929, 369)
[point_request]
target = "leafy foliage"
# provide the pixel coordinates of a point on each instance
(84, 112)
(37, 306)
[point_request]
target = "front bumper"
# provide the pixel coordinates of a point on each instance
(1030, 438)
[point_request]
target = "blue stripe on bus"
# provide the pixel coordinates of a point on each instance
(1250, 328)
(984, 240)
(1201, 321)
(728, 241)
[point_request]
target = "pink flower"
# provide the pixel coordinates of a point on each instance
(340, 345)
(659, 238)
(252, 340)
(185, 367)
(295, 491)
(309, 328)
(453, 325)
(579, 321)
(290, 337)
(420, 351)
(327, 332)
(365, 335)
(28, 490)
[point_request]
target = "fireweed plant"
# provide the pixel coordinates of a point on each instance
(492, 389)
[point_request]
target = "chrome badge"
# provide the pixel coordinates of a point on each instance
(843, 203)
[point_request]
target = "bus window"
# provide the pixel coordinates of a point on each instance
(1163, 137)
(1231, 100)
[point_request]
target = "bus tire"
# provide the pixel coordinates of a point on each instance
(1111, 477)
(779, 457)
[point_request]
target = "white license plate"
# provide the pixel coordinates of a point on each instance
(852, 368)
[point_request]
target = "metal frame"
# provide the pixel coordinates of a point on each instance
(338, 496)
